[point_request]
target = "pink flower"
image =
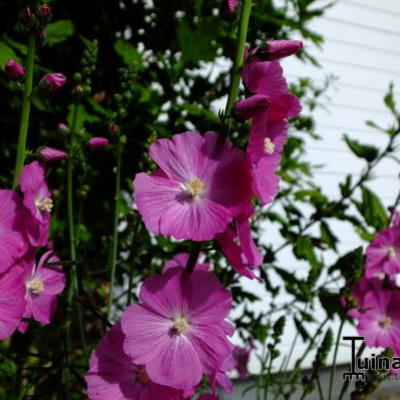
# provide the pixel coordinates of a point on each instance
(54, 81)
(203, 183)
(229, 9)
(98, 142)
(43, 284)
(14, 70)
(12, 302)
(238, 246)
(275, 49)
(49, 154)
(13, 222)
(383, 253)
(380, 323)
(112, 375)
(181, 260)
(37, 200)
(221, 379)
(179, 331)
(362, 288)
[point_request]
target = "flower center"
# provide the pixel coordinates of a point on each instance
(195, 187)
(269, 147)
(180, 326)
(385, 322)
(142, 375)
(45, 204)
(391, 252)
(35, 286)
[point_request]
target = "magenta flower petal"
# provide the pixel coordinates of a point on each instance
(112, 375)
(181, 260)
(12, 302)
(276, 49)
(50, 155)
(13, 221)
(264, 77)
(14, 70)
(251, 106)
(54, 81)
(196, 194)
(178, 324)
(98, 142)
(37, 200)
(265, 180)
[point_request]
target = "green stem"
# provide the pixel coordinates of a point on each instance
(339, 336)
(239, 58)
(115, 229)
(194, 255)
(26, 109)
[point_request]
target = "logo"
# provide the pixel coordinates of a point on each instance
(359, 365)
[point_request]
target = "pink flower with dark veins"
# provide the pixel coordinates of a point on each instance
(113, 375)
(37, 199)
(12, 302)
(203, 183)
(54, 81)
(43, 284)
(14, 220)
(179, 330)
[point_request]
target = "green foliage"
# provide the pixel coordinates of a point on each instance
(59, 31)
(367, 152)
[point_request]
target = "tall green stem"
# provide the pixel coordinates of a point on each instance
(339, 336)
(26, 109)
(115, 228)
(239, 58)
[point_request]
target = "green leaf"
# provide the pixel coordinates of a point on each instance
(304, 250)
(6, 53)
(389, 100)
(59, 31)
(372, 209)
(331, 303)
(327, 235)
(351, 265)
(367, 152)
(128, 53)
(302, 331)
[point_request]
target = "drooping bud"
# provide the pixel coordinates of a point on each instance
(14, 70)
(62, 127)
(50, 154)
(98, 142)
(53, 81)
(229, 9)
(248, 108)
(275, 49)
(27, 17)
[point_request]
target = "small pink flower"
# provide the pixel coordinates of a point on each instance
(203, 183)
(275, 49)
(12, 302)
(238, 246)
(112, 375)
(43, 284)
(54, 81)
(383, 253)
(14, 219)
(241, 357)
(14, 70)
(49, 154)
(179, 331)
(181, 260)
(380, 322)
(98, 142)
(62, 127)
(37, 199)
(229, 9)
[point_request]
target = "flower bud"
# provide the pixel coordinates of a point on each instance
(49, 154)
(45, 10)
(275, 49)
(98, 142)
(113, 128)
(229, 9)
(248, 108)
(62, 127)
(14, 70)
(27, 17)
(53, 81)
